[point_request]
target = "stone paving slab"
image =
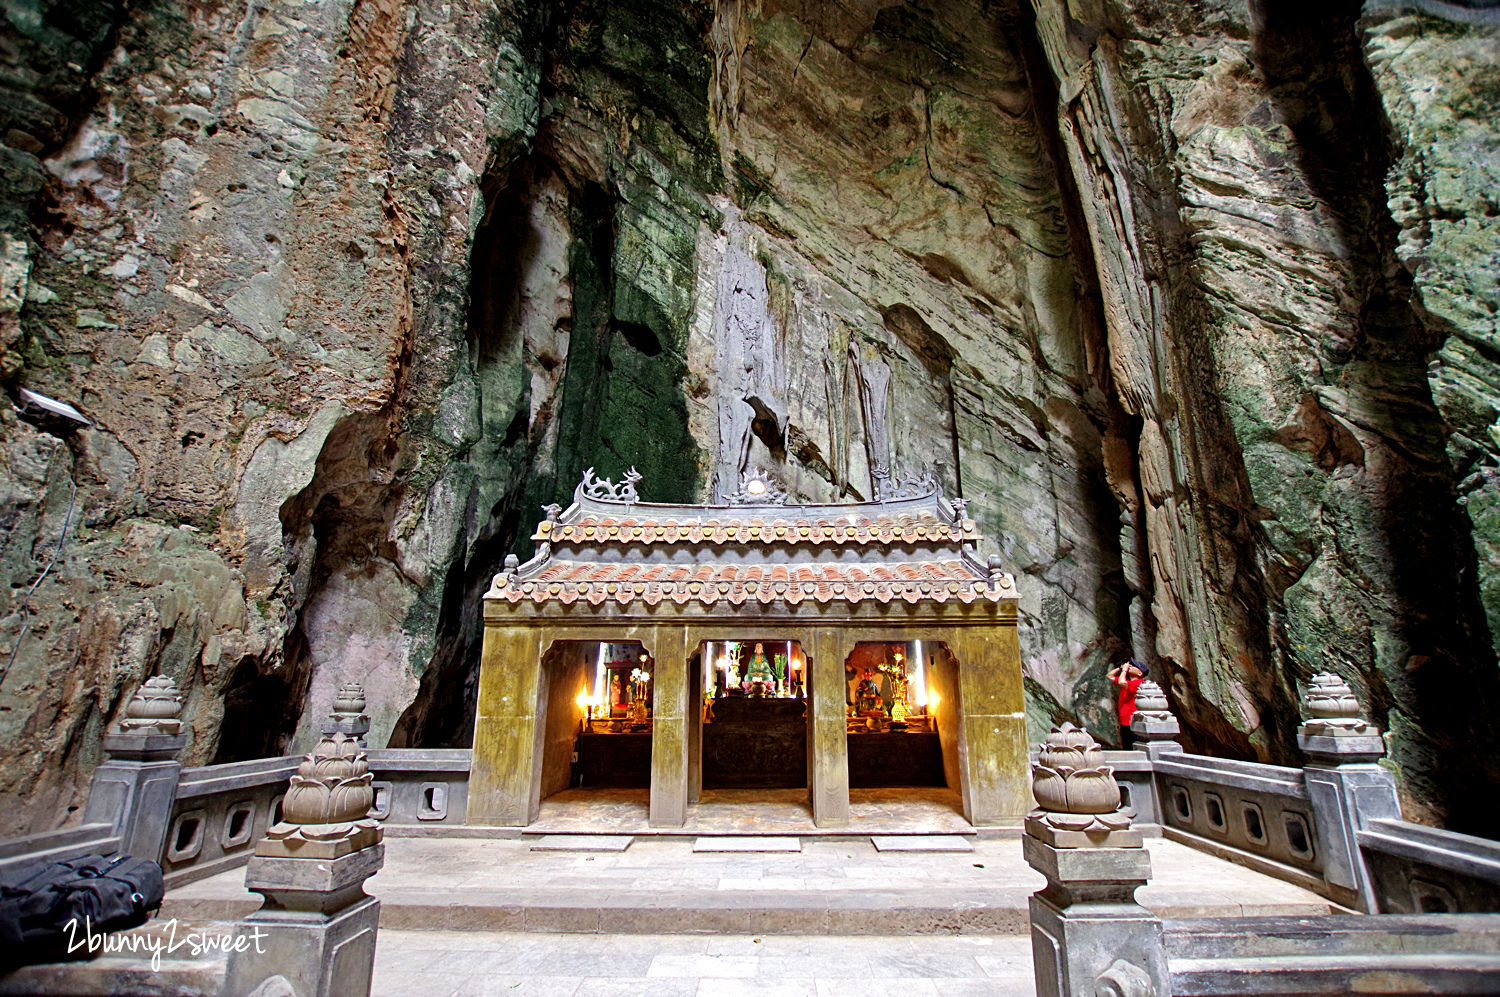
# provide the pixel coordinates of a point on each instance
(582, 843)
(460, 963)
(920, 843)
(747, 843)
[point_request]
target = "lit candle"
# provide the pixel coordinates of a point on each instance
(920, 683)
(599, 675)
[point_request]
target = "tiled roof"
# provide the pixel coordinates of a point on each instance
(756, 528)
(610, 547)
(596, 582)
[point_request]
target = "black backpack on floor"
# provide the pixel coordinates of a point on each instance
(39, 902)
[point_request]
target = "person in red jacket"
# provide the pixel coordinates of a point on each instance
(1127, 679)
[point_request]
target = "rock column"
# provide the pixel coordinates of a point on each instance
(1088, 935)
(1345, 784)
(315, 934)
(134, 790)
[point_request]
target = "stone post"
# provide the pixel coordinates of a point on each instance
(348, 716)
(1088, 935)
(135, 788)
(315, 934)
(1155, 730)
(1153, 725)
(1345, 784)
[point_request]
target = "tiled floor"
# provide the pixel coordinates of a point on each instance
(837, 917)
(459, 964)
(470, 873)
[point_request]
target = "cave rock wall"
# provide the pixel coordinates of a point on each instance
(1193, 304)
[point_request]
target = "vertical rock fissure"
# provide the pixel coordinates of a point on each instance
(1424, 589)
(1127, 626)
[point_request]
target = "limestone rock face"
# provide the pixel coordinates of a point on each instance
(348, 290)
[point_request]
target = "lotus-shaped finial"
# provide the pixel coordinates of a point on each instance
(154, 708)
(350, 699)
(1328, 697)
(1330, 709)
(1149, 698)
(330, 796)
(1070, 776)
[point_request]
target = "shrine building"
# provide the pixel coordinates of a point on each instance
(751, 643)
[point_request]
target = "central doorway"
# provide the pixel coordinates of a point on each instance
(754, 733)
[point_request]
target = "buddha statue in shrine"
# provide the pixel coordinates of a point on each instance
(758, 675)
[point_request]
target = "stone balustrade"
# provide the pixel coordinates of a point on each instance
(1298, 824)
(219, 812)
(1426, 870)
(1090, 937)
(1255, 810)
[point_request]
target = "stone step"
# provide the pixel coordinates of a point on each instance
(661, 911)
(755, 912)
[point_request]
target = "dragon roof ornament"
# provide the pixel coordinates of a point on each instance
(605, 489)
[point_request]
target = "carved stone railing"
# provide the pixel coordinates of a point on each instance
(201, 821)
(1425, 870)
(1333, 954)
(58, 846)
(219, 814)
(1332, 826)
(420, 790)
(1260, 811)
(222, 810)
(1090, 938)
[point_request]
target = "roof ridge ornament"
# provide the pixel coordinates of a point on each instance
(758, 487)
(910, 486)
(604, 489)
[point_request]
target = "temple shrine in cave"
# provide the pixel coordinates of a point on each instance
(751, 644)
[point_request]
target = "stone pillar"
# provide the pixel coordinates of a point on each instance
(669, 730)
(828, 737)
(505, 782)
(348, 716)
(696, 706)
(993, 751)
(315, 934)
(1153, 725)
(1088, 935)
(134, 790)
(1345, 785)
